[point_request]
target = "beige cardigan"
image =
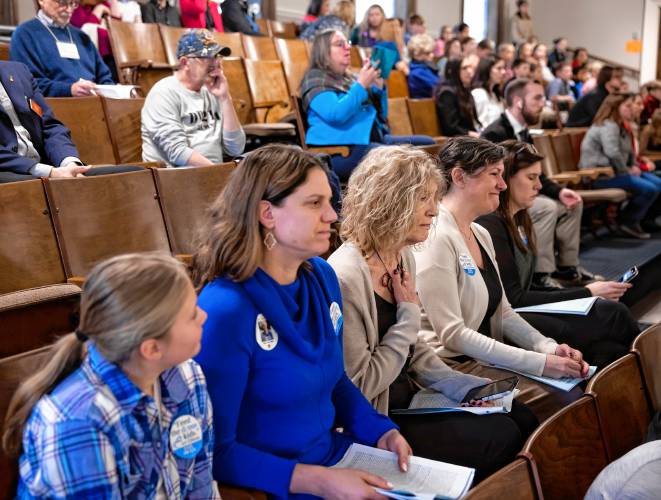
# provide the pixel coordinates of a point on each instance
(374, 365)
(455, 304)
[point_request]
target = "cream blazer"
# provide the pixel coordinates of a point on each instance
(455, 297)
(374, 365)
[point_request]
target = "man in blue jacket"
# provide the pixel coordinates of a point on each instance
(61, 57)
(33, 143)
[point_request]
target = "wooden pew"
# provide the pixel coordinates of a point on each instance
(99, 217)
(85, 118)
(647, 348)
(622, 406)
(185, 195)
(569, 451)
(516, 481)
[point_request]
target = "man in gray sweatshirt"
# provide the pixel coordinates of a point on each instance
(188, 119)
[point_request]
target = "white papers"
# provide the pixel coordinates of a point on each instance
(115, 91)
(580, 307)
(565, 384)
(430, 401)
(425, 479)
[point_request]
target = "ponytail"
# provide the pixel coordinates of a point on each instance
(126, 300)
(63, 358)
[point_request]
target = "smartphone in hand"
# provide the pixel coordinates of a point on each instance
(494, 390)
(629, 275)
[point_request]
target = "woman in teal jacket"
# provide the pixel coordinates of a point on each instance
(346, 109)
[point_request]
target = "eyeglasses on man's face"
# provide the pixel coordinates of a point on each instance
(71, 4)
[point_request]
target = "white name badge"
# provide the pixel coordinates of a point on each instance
(186, 437)
(466, 264)
(265, 334)
(68, 50)
(336, 317)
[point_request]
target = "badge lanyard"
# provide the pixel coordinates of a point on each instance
(59, 43)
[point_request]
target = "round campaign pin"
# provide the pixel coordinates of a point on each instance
(336, 317)
(265, 334)
(186, 437)
(466, 264)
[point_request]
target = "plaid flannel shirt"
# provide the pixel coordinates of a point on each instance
(97, 436)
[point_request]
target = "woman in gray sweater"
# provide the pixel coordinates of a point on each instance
(609, 142)
(391, 200)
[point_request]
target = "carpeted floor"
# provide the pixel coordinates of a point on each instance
(612, 256)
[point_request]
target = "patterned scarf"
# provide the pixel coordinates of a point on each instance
(317, 81)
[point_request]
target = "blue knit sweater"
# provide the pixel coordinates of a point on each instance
(275, 407)
(35, 47)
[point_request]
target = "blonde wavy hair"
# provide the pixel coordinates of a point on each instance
(383, 193)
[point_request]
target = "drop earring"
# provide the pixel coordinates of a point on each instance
(269, 241)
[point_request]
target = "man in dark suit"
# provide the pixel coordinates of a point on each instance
(33, 143)
(583, 112)
(556, 214)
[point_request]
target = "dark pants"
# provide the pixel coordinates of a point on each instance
(484, 442)
(343, 166)
(13, 177)
(645, 190)
(603, 336)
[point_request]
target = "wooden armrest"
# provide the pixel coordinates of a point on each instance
(566, 178)
(330, 150)
(270, 104)
(138, 63)
(76, 280)
(235, 493)
(594, 172)
(185, 258)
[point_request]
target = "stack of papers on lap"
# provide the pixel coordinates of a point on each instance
(580, 307)
(425, 479)
(565, 384)
(430, 401)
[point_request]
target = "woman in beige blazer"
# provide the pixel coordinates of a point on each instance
(467, 315)
(391, 200)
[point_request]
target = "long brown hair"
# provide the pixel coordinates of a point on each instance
(518, 155)
(126, 300)
(232, 239)
(610, 109)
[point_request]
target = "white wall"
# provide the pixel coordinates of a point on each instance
(291, 10)
(439, 12)
(602, 26)
(650, 40)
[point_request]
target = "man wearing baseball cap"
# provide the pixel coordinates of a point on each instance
(188, 118)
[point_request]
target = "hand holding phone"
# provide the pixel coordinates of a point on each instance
(494, 390)
(629, 275)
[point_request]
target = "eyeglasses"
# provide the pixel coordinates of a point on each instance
(72, 4)
(342, 44)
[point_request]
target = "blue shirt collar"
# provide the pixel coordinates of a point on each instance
(174, 388)
(47, 21)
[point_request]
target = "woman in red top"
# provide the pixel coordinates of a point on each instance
(194, 14)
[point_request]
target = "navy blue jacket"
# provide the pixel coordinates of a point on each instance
(51, 139)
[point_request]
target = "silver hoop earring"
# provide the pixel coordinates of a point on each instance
(269, 241)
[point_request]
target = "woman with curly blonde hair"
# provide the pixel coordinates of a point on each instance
(390, 203)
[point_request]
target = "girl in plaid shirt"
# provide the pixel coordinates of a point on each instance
(120, 410)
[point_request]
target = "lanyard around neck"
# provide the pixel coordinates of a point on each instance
(53, 34)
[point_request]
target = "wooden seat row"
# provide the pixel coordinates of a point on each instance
(563, 456)
(57, 229)
(105, 131)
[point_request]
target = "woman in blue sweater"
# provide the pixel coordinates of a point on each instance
(346, 109)
(271, 347)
